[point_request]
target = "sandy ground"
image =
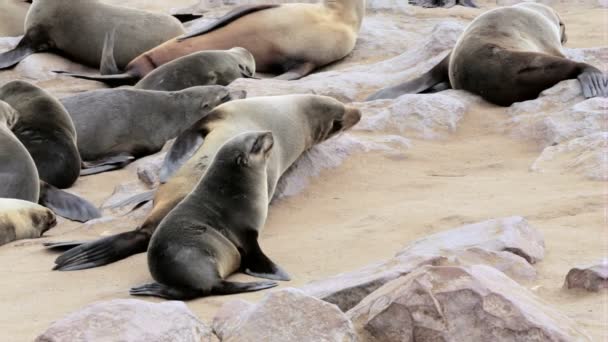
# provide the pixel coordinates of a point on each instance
(361, 212)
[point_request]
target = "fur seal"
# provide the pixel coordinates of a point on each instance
(288, 39)
(442, 3)
(115, 126)
(507, 55)
(23, 220)
(19, 177)
(200, 68)
(12, 17)
(78, 29)
(203, 240)
(297, 123)
(46, 130)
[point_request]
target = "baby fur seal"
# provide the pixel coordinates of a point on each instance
(19, 181)
(77, 28)
(507, 55)
(288, 39)
(23, 220)
(297, 123)
(46, 130)
(199, 68)
(214, 231)
(115, 126)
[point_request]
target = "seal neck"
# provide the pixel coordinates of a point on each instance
(351, 11)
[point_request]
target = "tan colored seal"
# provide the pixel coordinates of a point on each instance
(23, 220)
(507, 55)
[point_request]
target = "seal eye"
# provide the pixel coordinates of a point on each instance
(205, 105)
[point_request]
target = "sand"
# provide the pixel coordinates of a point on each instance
(363, 211)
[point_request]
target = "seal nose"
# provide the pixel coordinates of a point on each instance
(352, 116)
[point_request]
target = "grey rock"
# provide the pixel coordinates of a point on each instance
(591, 278)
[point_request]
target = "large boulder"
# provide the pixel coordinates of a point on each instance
(283, 316)
(129, 320)
(476, 303)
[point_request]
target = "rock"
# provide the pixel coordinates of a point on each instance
(426, 116)
(450, 303)
(590, 278)
(129, 320)
(587, 156)
(346, 290)
(283, 316)
(511, 234)
(148, 169)
(118, 203)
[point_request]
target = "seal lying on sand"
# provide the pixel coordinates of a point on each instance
(507, 55)
(297, 122)
(19, 181)
(214, 231)
(115, 126)
(23, 220)
(288, 39)
(78, 29)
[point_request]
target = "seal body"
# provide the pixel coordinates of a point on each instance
(78, 28)
(46, 130)
(23, 220)
(201, 241)
(297, 122)
(201, 68)
(507, 55)
(134, 122)
(288, 39)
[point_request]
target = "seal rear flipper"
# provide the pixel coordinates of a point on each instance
(297, 71)
(231, 16)
(186, 17)
(107, 65)
(103, 251)
(437, 75)
(63, 246)
(183, 148)
(257, 264)
(107, 164)
(66, 204)
(593, 82)
(111, 80)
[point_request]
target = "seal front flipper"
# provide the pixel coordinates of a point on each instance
(111, 80)
(593, 82)
(231, 16)
(223, 288)
(66, 204)
(297, 71)
(26, 46)
(257, 264)
(183, 148)
(437, 75)
(110, 163)
(134, 201)
(108, 66)
(103, 251)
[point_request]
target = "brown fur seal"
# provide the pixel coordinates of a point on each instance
(78, 28)
(288, 39)
(203, 240)
(12, 17)
(297, 122)
(219, 67)
(19, 176)
(23, 220)
(115, 126)
(46, 130)
(507, 55)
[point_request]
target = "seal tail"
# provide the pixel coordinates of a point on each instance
(111, 80)
(438, 76)
(102, 251)
(223, 288)
(66, 204)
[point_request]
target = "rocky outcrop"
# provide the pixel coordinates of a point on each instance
(283, 316)
(129, 320)
(591, 278)
(476, 303)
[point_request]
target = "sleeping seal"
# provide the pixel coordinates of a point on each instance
(507, 55)
(214, 231)
(78, 29)
(297, 123)
(115, 126)
(23, 220)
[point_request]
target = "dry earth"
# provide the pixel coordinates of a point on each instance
(374, 202)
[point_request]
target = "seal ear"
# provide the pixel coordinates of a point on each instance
(183, 148)
(262, 144)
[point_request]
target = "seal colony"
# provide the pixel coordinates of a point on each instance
(507, 55)
(220, 174)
